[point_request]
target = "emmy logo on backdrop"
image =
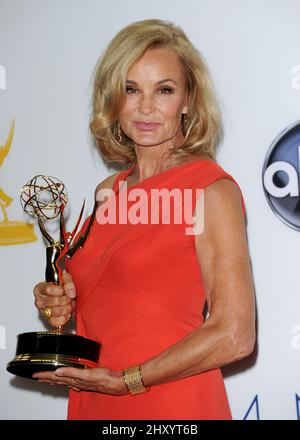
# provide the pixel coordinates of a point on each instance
(12, 232)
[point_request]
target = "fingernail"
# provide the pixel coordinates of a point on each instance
(59, 372)
(71, 293)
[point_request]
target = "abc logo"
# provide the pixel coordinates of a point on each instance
(281, 176)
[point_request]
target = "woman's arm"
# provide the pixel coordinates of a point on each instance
(229, 333)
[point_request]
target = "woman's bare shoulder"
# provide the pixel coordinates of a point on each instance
(107, 183)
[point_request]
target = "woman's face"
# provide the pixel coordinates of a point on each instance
(156, 98)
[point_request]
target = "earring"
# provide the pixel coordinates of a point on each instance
(119, 135)
(186, 123)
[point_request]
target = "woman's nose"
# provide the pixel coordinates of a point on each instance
(146, 104)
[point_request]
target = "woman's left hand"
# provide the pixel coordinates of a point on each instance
(99, 380)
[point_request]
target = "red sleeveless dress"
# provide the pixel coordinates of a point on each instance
(139, 291)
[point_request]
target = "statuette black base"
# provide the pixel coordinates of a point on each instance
(47, 351)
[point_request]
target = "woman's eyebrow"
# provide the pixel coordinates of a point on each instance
(128, 81)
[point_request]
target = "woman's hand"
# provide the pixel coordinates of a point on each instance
(99, 380)
(60, 299)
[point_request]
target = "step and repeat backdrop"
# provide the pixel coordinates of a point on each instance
(48, 51)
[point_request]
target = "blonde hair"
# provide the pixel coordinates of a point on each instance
(109, 92)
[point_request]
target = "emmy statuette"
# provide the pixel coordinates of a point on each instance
(45, 198)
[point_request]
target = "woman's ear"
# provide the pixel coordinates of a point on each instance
(185, 110)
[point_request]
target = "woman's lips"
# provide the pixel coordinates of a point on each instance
(146, 126)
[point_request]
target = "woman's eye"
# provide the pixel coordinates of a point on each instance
(166, 90)
(130, 89)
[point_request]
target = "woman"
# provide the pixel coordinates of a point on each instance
(140, 288)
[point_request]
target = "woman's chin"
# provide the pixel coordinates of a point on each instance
(142, 142)
(149, 141)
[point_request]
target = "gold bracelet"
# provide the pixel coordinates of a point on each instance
(134, 381)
